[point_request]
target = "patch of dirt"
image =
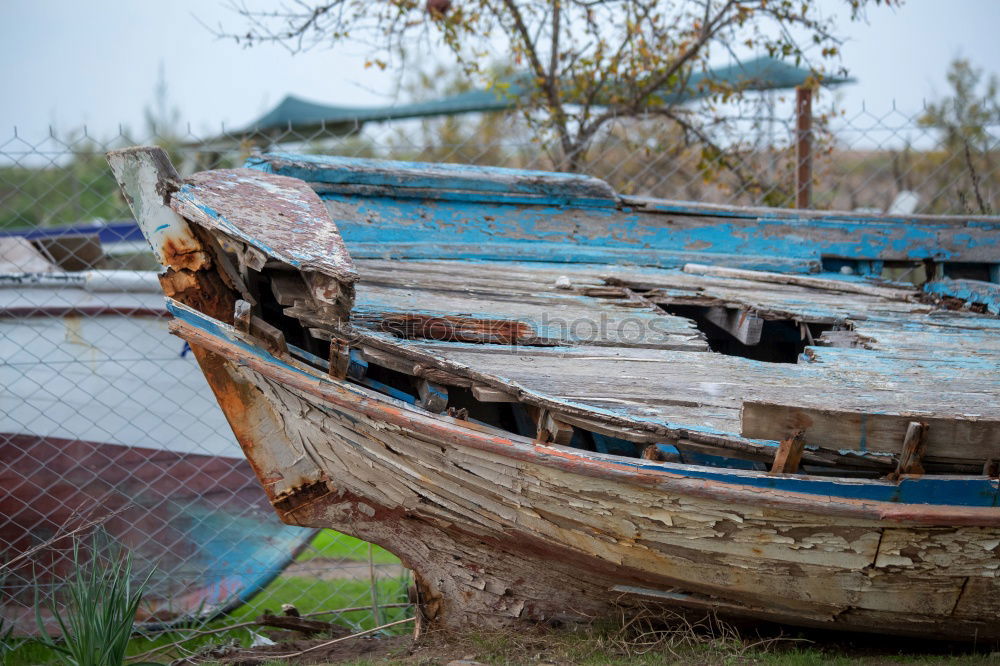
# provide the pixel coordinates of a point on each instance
(316, 651)
(624, 646)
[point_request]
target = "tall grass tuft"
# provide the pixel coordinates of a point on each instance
(7, 643)
(98, 611)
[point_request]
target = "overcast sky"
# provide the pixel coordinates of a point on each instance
(69, 62)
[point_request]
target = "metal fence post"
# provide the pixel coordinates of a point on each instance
(803, 146)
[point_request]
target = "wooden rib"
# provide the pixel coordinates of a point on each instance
(914, 446)
(789, 455)
(340, 357)
(742, 324)
(433, 397)
(484, 393)
(551, 429)
(241, 316)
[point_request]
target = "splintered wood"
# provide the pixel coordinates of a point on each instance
(789, 455)
(599, 348)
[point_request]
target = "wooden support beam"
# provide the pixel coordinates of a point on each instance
(484, 393)
(634, 435)
(442, 377)
(271, 337)
(433, 397)
(241, 316)
(390, 361)
(288, 288)
(952, 437)
(914, 447)
(340, 357)
(789, 455)
(550, 429)
(741, 323)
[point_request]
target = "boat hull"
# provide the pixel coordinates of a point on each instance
(499, 529)
(90, 385)
(184, 517)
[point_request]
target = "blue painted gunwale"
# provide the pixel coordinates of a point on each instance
(476, 182)
(432, 211)
(929, 491)
(547, 232)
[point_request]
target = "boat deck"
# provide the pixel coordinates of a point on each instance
(602, 338)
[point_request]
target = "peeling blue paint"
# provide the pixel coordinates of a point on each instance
(422, 211)
(464, 182)
(381, 226)
(970, 291)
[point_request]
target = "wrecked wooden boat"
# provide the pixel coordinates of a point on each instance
(90, 380)
(554, 402)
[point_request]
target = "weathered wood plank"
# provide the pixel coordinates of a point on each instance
(281, 217)
(743, 325)
(490, 394)
(436, 179)
(951, 437)
(986, 294)
(844, 286)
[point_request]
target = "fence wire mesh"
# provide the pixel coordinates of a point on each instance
(105, 418)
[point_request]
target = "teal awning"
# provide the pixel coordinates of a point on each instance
(296, 113)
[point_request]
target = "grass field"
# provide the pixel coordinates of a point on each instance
(336, 546)
(641, 644)
(308, 595)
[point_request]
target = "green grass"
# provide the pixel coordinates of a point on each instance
(334, 545)
(588, 647)
(307, 594)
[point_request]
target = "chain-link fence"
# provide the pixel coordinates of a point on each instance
(105, 418)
